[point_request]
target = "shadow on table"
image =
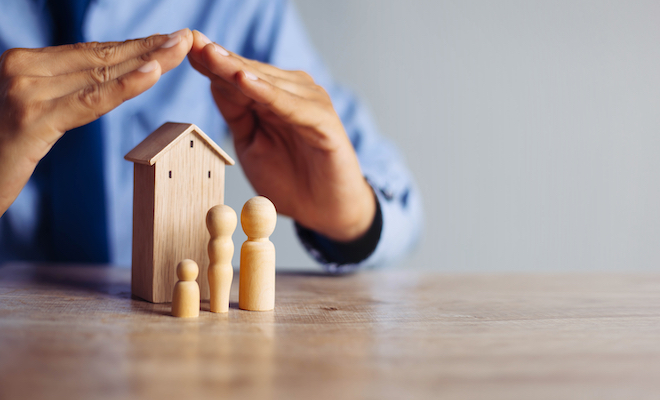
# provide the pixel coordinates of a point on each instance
(109, 280)
(102, 279)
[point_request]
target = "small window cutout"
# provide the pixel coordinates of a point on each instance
(191, 143)
(209, 174)
(170, 174)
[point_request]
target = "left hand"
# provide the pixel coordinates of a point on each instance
(290, 141)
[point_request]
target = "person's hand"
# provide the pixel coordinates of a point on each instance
(47, 91)
(289, 141)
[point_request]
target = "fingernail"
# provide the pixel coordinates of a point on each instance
(220, 50)
(250, 75)
(205, 40)
(175, 38)
(148, 67)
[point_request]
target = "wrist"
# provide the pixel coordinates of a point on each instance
(17, 163)
(355, 219)
(342, 256)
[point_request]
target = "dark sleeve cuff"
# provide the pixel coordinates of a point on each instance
(328, 251)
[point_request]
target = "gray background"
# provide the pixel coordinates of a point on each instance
(532, 127)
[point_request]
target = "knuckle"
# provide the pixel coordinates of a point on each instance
(9, 60)
(17, 87)
(24, 115)
(149, 42)
(101, 74)
(90, 97)
(103, 53)
(322, 93)
(146, 57)
(122, 84)
(304, 76)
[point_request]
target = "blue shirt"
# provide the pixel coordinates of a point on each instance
(266, 30)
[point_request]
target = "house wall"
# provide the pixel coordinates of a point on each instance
(143, 232)
(181, 204)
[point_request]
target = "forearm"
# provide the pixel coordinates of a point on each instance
(17, 164)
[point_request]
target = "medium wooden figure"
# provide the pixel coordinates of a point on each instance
(257, 274)
(179, 174)
(221, 222)
(185, 299)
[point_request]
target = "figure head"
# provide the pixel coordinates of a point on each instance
(187, 270)
(258, 217)
(221, 220)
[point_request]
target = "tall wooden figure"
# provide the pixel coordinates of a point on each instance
(256, 290)
(185, 299)
(221, 223)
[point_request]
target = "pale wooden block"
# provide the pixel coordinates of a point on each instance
(185, 297)
(257, 270)
(221, 222)
(179, 175)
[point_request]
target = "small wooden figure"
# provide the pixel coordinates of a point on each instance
(221, 223)
(185, 299)
(257, 276)
(179, 174)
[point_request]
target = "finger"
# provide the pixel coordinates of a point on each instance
(231, 93)
(200, 67)
(234, 106)
(239, 118)
(228, 92)
(291, 108)
(218, 65)
(292, 76)
(58, 60)
(86, 105)
(167, 57)
(199, 48)
(314, 121)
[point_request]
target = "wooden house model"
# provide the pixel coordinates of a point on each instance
(179, 175)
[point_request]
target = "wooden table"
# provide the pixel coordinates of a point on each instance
(74, 332)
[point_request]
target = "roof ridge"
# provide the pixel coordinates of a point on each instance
(164, 138)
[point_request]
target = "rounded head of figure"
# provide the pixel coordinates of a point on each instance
(187, 270)
(221, 220)
(258, 218)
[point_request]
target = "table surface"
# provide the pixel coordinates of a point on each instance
(75, 332)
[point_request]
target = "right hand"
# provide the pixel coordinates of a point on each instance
(48, 91)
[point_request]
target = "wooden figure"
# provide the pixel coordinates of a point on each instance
(221, 222)
(179, 174)
(257, 274)
(185, 299)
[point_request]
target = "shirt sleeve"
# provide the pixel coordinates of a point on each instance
(283, 42)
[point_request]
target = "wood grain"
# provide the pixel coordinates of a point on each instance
(181, 205)
(256, 290)
(75, 332)
(142, 279)
(168, 135)
(171, 199)
(221, 223)
(185, 297)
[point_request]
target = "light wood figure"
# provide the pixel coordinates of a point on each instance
(185, 299)
(256, 290)
(221, 223)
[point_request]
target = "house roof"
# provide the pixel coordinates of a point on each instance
(164, 138)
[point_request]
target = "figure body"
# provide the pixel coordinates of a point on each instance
(185, 299)
(257, 276)
(221, 223)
